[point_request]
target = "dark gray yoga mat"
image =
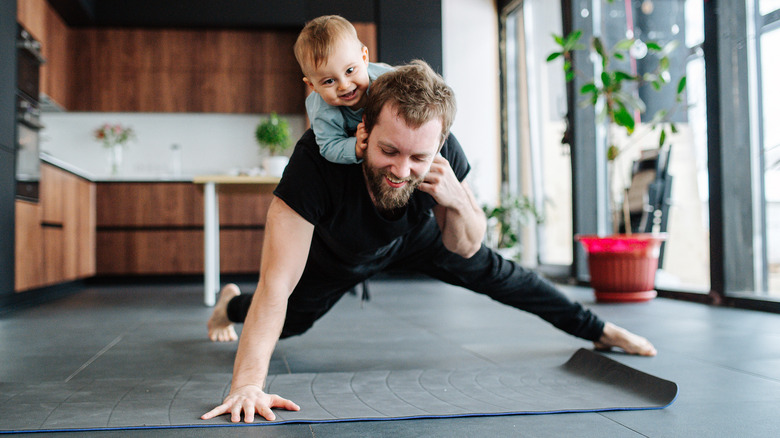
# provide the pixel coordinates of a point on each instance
(587, 382)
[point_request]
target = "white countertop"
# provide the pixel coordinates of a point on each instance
(50, 159)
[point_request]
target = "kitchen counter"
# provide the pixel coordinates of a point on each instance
(54, 161)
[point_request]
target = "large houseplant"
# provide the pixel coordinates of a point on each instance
(273, 135)
(622, 266)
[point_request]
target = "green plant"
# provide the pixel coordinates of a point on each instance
(273, 134)
(507, 217)
(614, 91)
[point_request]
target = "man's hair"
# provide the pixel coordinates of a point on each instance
(416, 93)
(315, 42)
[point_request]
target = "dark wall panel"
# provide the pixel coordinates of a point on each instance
(403, 43)
(356, 11)
(6, 223)
(7, 141)
(200, 13)
(7, 73)
(408, 30)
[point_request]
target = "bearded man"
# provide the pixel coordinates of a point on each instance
(331, 226)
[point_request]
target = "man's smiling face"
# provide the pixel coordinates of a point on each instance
(398, 157)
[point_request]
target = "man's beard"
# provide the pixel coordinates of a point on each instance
(388, 199)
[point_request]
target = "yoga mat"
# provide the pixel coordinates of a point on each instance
(587, 382)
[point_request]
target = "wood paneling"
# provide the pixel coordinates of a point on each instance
(366, 32)
(56, 72)
(86, 222)
(28, 268)
(174, 70)
(170, 70)
(244, 204)
(43, 22)
(31, 14)
(240, 250)
(54, 255)
(149, 205)
(149, 252)
(78, 228)
(55, 239)
(52, 194)
(157, 228)
(175, 252)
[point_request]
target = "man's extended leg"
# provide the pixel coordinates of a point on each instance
(507, 282)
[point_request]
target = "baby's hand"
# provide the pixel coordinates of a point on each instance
(361, 141)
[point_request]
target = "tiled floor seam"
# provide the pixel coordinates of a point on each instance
(603, 414)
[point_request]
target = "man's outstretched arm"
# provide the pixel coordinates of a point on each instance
(285, 249)
(460, 219)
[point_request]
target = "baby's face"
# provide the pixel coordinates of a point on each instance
(342, 80)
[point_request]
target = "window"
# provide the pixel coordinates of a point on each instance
(537, 164)
(766, 142)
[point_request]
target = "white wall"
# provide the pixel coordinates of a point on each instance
(210, 143)
(470, 57)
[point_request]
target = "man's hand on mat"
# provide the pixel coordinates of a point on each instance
(250, 399)
(614, 336)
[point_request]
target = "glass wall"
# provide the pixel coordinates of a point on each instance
(746, 105)
(537, 164)
(764, 34)
(685, 262)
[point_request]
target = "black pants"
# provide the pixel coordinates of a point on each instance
(326, 279)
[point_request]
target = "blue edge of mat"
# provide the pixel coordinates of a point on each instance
(336, 420)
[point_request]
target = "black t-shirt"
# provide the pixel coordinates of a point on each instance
(334, 198)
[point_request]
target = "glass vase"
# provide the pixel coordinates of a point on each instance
(115, 158)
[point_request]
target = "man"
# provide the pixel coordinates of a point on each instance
(331, 226)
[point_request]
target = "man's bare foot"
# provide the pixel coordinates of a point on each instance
(220, 327)
(614, 336)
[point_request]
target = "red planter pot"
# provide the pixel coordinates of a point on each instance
(622, 267)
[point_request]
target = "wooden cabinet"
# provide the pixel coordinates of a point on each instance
(169, 70)
(157, 228)
(43, 22)
(55, 238)
(178, 70)
(28, 250)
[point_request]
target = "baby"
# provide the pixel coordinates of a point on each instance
(336, 68)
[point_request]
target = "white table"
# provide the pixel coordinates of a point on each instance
(211, 226)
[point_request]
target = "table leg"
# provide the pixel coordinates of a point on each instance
(211, 244)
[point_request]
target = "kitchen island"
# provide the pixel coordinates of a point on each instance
(138, 226)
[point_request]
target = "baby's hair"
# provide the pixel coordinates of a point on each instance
(315, 42)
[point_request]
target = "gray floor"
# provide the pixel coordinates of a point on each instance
(725, 361)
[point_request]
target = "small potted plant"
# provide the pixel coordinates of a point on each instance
(622, 266)
(273, 135)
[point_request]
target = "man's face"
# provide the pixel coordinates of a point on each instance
(398, 157)
(342, 80)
